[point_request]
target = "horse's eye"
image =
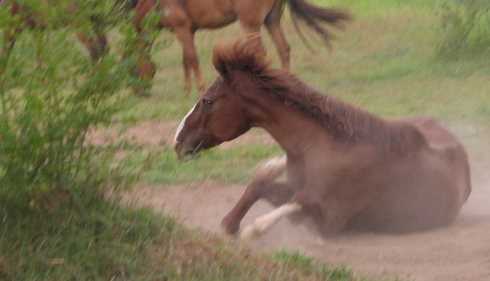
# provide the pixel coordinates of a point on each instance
(207, 101)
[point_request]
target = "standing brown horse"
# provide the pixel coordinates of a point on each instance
(185, 17)
(345, 167)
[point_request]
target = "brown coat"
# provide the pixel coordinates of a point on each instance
(345, 167)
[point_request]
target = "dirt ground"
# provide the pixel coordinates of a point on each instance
(460, 252)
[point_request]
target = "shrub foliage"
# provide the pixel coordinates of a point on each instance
(465, 27)
(52, 94)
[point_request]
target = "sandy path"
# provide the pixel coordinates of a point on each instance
(460, 252)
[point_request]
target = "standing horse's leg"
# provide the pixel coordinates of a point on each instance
(97, 46)
(261, 187)
(190, 60)
(145, 69)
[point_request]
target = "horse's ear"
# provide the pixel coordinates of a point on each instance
(246, 53)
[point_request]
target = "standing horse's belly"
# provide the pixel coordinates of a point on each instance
(210, 13)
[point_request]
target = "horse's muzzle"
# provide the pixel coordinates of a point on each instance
(184, 152)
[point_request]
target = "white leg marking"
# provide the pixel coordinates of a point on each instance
(275, 162)
(261, 224)
(182, 123)
(272, 168)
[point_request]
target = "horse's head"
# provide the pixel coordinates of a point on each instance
(221, 113)
(217, 117)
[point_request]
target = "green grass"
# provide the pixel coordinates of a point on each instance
(85, 237)
(311, 266)
(233, 165)
(82, 237)
(385, 62)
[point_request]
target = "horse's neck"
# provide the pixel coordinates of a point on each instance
(294, 131)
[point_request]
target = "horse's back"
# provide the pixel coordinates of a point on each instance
(426, 189)
(443, 144)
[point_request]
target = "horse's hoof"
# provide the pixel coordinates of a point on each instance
(229, 228)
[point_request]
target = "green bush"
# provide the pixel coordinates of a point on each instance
(465, 28)
(52, 94)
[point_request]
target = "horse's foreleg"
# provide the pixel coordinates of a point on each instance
(190, 59)
(262, 186)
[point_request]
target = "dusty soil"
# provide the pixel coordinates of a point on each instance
(460, 252)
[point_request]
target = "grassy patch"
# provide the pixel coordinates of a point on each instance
(230, 165)
(83, 238)
(385, 62)
(312, 267)
(465, 28)
(87, 238)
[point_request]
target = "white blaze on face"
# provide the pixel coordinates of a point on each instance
(182, 123)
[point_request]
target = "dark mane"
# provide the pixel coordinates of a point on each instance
(344, 122)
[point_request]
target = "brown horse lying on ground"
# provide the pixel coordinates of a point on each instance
(184, 18)
(345, 167)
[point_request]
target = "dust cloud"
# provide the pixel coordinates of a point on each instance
(459, 252)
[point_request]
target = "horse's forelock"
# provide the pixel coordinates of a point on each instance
(246, 54)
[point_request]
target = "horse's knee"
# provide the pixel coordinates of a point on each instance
(190, 59)
(270, 170)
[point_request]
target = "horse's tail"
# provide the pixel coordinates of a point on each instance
(314, 16)
(468, 177)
